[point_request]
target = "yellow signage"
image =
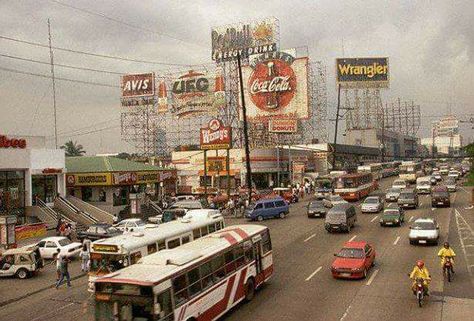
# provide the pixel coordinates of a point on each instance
(148, 177)
(104, 248)
(91, 179)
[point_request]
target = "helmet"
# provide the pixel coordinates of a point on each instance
(420, 264)
(446, 245)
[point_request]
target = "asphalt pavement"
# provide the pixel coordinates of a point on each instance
(302, 287)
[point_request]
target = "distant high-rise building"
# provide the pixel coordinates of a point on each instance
(445, 136)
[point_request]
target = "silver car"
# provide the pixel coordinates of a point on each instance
(424, 231)
(372, 204)
(392, 194)
(450, 183)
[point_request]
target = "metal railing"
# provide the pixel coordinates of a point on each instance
(48, 211)
(71, 208)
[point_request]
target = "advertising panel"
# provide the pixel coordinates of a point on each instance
(137, 89)
(90, 179)
(198, 93)
(244, 39)
(276, 87)
(216, 136)
(282, 125)
(31, 230)
(362, 72)
(124, 178)
(216, 164)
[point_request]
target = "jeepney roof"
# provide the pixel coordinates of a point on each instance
(21, 250)
(130, 241)
(154, 268)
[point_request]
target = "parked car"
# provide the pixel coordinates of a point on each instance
(49, 246)
(392, 216)
(438, 176)
(189, 204)
(450, 184)
(317, 209)
(372, 204)
(392, 194)
(168, 215)
(408, 199)
(22, 262)
(353, 261)
(267, 208)
(400, 183)
(341, 217)
(423, 185)
(133, 225)
(98, 231)
(440, 197)
(423, 231)
(454, 173)
(332, 200)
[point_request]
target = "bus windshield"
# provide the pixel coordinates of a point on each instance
(107, 263)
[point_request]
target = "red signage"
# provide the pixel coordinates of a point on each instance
(283, 125)
(6, 142)
(52, 171)
(125, 178)
(138, 85)
(216, 136)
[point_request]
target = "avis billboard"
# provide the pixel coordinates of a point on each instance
(276, 87)
(363, 72)
(198, 93)
(244, 39)
(216, 136)
(137, 89)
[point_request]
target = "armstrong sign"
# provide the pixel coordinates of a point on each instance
(277, 87)
(216, 136)
(362, 72)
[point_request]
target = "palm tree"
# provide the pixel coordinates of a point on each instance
(73, 149)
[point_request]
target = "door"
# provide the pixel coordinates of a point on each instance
(50, 248)
(165, 306)
(258, 255)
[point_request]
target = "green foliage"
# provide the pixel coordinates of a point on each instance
(73, 149)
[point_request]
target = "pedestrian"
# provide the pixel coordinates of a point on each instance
(57, 259)
(64, 269)
(58, 226)
(68, 231)
(85, 257)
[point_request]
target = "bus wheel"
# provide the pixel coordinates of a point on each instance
(249, 290)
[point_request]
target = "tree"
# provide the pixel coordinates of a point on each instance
(469, 149)
(73, 149)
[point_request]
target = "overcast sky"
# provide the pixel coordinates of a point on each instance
(430, 45)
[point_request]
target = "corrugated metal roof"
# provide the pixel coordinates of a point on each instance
(105, 164)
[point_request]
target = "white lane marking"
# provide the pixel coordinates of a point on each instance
(374, 218)
(52, 312)
(345, 313)
(396, 241)
(421, 203)
(411, 219)
(309, 238)
(433, 208)
(463, 189)
(469, 207)
(372, 277)
(314, 273)
(352, 238)
(458, 216)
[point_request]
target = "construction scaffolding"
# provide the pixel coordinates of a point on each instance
(403, 117)
(365, 108)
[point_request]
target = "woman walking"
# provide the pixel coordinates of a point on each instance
(85, 258)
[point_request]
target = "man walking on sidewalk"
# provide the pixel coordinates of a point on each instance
(64, 272)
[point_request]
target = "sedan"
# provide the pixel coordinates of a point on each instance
(392, 216)
(317, 209)
(331, 200)
(98, 231)
(133, 225)
(424, 231)
(372, 204)
(353, 261)
(392, 194)
(400, 183)
(450, 183)
(433, 180)
(48, 247)
(438, 176)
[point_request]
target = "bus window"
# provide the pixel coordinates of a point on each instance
(134, 257)
(164, 299)
(196, 234)
(194, 282)
(239, 255)
(173, 243)
(229, 262)
(161, 246)
(212, 228)
(151, 248)
(218, 226)
(266, 242)
(180, 290)
(206, 274)
(204, 231)
(185, 239)
(218, 267)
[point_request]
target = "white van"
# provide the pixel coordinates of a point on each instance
(423, 185)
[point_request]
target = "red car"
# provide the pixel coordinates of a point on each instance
(353, 261)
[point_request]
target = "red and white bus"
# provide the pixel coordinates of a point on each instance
(353, 187)
(200, 280)
(375, 169)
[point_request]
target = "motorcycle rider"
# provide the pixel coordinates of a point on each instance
(420, 271)
(445, 251)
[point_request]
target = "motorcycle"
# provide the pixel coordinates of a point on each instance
(419, 291)
(448, 267)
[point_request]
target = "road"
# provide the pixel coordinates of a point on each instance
(302, 287)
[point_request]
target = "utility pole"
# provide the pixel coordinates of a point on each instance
(246, 133)
(337, 123)
(51, 56)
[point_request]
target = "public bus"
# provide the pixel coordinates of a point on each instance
(115, 253)
(201, 280)
(389, 169)
(410, 171)
(375, 169)
(353, 187)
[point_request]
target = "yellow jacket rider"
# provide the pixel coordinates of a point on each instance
(420, 271)
(444, 252)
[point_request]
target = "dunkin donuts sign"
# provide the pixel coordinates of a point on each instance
(216, 136)
(276, 86)
(6, 142)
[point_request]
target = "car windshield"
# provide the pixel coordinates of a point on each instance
(372, 200)
(394, 190)
(112, 230)
(391, 213)
(399, 183)
(140, 223)
(406, 195)
(349, 253)
(440, 194)
(423, 226)
(422, 183)
(64, 242)
(335, 198)
(450, 181)
(315, 204)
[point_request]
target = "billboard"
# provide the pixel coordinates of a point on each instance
(198, 93)
(362, 72)
(137, 89)
(216, 136)
(244, 38)
(283, 125)
(276, 87)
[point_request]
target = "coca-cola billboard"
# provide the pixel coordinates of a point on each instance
(216, 136)
(276, 87)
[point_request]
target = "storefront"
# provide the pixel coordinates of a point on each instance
(28, 170)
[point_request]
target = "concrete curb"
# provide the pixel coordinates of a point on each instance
(10, 301)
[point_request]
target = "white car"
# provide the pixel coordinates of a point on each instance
(372, 204)
(133, 225)
(423, 231)
(438, 176)
(48, 247)
(331, 200)
(399, 183)
(455, 174)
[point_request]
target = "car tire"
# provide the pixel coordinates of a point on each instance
(282, 215)
(22, 274)
(412, 242)
(260, 218)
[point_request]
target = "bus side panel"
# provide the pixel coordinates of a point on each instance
(267, 263)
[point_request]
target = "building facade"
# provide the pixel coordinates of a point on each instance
(445, 136)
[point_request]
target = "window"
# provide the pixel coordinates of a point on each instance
(196, 234)
(50, 244)
(218, 226)
(269, 205)
(212, 228)
(92, 229)
(180, 292)
(204, 231)
(134, 257)
(185, 239)
(41, 244)
(173, 243)
(239, 256)
(194, 282)
(151, 248)
(100, 230)
(249, 254)
(229, 262)
(217, 264)
(161, 245)
(266, 242)
(206, 274)
(280, 203)
(259, 206)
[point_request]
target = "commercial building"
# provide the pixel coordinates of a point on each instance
(28, 171)
(445, 136)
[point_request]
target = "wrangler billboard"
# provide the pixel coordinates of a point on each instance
(362, 72)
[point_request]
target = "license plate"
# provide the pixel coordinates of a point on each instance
(389, 223)
(440, 203)
(345, 275)
(405, 204)
(422, 241)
